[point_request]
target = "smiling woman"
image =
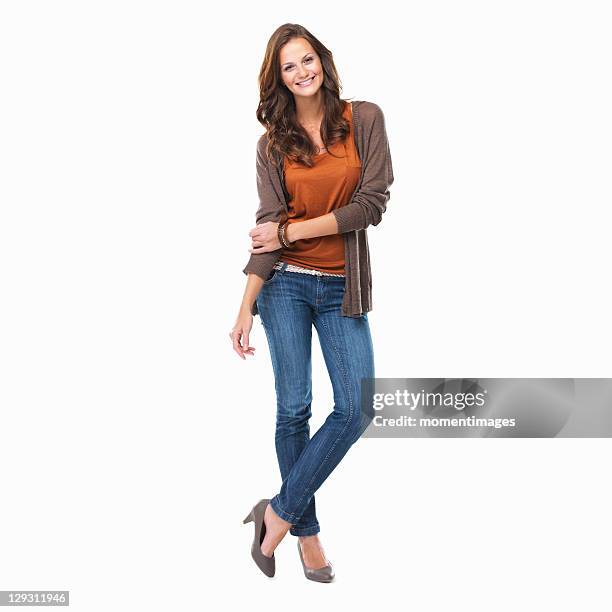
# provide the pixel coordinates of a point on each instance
(323, 173)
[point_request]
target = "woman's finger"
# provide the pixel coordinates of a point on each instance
(236, 342)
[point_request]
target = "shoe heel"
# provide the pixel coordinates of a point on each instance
(266, 564)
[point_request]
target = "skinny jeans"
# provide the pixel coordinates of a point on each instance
(289, 304)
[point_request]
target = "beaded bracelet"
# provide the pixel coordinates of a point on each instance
(281, 236)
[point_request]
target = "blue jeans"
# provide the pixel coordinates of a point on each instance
(289, 303)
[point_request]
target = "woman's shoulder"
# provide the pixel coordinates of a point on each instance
(262, 142)
(262, 149)
(368, 111)
(262, 153)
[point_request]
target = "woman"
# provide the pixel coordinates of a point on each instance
(323, 176)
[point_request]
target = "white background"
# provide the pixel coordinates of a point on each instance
(134, 440)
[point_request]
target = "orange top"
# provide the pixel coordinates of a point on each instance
(316, 191)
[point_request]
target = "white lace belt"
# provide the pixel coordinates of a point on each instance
(292, 268)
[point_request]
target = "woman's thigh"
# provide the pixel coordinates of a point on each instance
(287, 320)
(346, 344)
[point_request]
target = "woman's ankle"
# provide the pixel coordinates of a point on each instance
(278, 521)
(309, 538)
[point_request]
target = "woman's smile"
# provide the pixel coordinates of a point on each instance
(306, 83)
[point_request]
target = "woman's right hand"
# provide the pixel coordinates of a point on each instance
(240, 333)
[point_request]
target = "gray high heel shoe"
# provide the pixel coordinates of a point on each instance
(322, 574)
(266, 564)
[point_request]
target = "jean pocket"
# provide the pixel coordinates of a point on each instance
(274, 274)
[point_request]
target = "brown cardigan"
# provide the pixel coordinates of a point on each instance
(368, 203)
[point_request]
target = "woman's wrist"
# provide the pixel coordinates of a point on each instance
(245, 306)
(291, 232)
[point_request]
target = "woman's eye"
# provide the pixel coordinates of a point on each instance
(308, 59)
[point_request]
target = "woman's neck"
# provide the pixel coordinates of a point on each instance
(310, 110)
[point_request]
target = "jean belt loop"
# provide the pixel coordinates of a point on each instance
(284, 266)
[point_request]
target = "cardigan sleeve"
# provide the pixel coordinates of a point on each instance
(270, 209)
(370, 200)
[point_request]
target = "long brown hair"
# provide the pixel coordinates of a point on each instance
(276, 110)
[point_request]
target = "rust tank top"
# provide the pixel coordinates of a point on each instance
(316, 191)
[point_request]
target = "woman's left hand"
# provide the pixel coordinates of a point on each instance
(264, 238)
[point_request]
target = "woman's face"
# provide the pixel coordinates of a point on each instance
(299, 62)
